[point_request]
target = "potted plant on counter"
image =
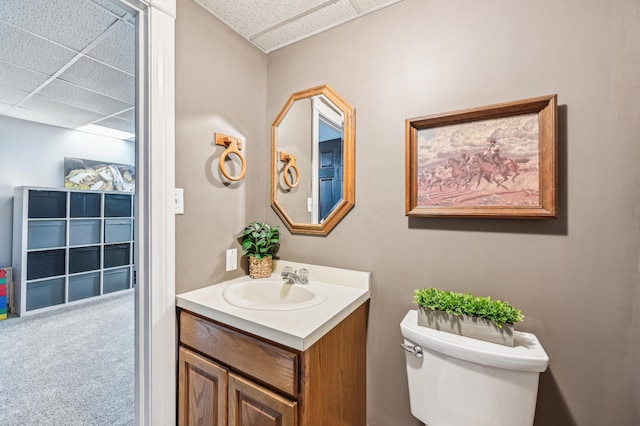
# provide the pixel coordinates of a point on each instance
(468, 315)
(260, 241)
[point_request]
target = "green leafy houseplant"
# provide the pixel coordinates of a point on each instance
(260, 240)
(496, 311)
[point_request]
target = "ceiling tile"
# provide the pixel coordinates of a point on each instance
(100, 78)
(116, 123)
(270, 25)
(26, 50)
(39, 117)
(11, 96)
(249, 17)
(33, 36)
(105, 85)
(306, 26)
(56, 113)
(69, 94)
(44, 118)
(20, 78)
(118, 49)
(371, 5)
(111, 7)
(129, 115)
(72, 23)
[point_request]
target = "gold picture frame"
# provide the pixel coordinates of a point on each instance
(496, 161)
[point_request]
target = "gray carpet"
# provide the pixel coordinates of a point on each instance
(72, 366)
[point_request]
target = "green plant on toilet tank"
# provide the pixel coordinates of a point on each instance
(463, 313)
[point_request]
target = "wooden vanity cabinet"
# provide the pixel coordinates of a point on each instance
(229, 377)
(202, 390)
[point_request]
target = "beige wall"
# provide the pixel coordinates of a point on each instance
(575, 278)
(220, 87)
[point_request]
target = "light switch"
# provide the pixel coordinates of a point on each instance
(179, 200)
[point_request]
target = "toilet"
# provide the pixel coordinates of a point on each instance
(459, 381)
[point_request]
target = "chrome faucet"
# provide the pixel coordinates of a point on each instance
(293, 277)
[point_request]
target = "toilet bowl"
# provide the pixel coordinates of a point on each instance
(459, 381)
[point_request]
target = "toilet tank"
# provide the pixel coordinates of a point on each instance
(460, 381)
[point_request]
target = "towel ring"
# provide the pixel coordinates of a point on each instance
(291, 164)
(233, 146)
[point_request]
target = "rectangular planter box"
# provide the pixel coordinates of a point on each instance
(464, 325)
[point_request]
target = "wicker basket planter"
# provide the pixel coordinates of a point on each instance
(464, 325)
(260, 268)
(260, 241)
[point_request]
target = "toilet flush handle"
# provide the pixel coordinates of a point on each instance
(415, 350)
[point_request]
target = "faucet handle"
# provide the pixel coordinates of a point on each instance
(303, 274)
(287, 270)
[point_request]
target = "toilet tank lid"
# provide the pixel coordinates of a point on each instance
(526, 355)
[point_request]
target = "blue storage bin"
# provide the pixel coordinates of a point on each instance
(46, 263)
(83, 286)
(83, 259)
(84, 231)
(116, 255)
(116, 280)
(46, 234)
(117, 205)
(47, 204)
(84, 204)
(41, 294)
(117, 230)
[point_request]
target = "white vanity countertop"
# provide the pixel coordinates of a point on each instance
(298, 329)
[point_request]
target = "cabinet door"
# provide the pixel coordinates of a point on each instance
(253, 405)
(202, 391)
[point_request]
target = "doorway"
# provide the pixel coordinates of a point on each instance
(329, 175)
(154, 229)
(67, 70)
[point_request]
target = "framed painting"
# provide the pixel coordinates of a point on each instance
(98, 175)
(492, 161)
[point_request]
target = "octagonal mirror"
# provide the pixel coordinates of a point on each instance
(313, 161)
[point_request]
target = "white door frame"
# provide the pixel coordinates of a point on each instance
(155, 340)
(320, 111)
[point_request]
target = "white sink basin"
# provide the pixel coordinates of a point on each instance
(271, 295)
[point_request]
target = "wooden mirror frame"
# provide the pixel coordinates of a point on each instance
(349, 164)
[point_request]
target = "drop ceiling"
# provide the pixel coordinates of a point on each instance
(272, 24)
(68, 63)
(71, 63)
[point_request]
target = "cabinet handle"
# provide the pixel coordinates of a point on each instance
(415, 350)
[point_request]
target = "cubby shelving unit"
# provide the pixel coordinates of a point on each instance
(70, 246)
